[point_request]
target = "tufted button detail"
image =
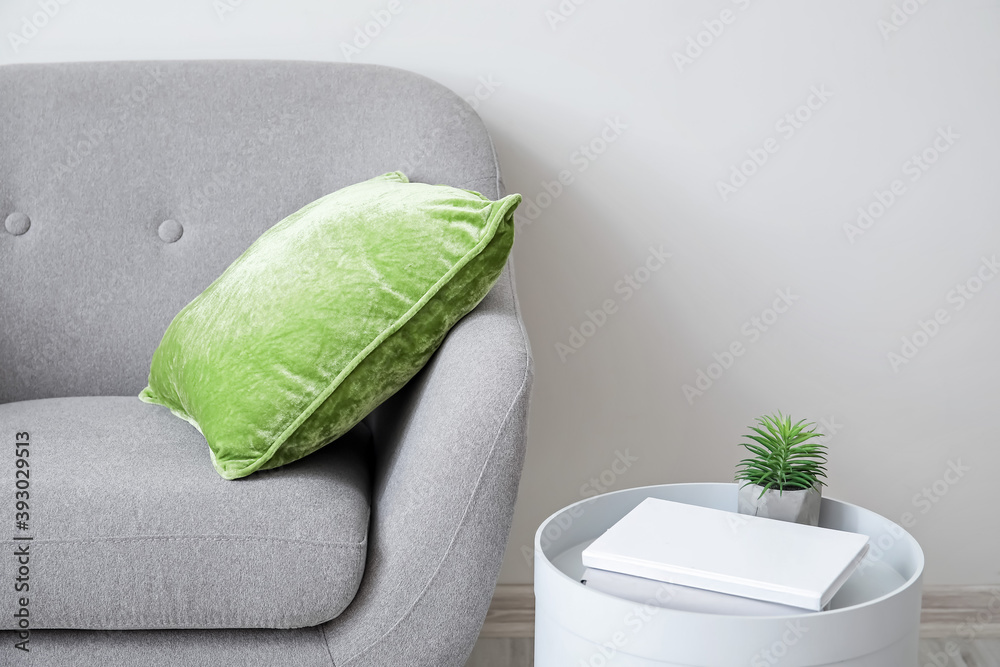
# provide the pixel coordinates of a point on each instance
(170, 231)
(17, 223)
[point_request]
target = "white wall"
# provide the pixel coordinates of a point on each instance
(897, 430)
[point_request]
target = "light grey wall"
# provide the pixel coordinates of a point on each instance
(887, 82)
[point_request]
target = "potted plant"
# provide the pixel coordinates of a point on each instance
(783, 478)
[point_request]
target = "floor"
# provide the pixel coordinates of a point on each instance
(933, 653)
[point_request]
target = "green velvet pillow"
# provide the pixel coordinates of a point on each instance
(326, 315)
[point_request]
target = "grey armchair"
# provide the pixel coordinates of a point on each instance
(125, 189)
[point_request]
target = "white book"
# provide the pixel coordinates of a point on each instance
(737, 554)
(681, 598)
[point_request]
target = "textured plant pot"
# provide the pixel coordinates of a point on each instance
(801, 506)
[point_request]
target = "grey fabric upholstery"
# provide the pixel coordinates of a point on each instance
(450, 451)
(133, 528)
(224, 150)
(100, 155)
(167, 648)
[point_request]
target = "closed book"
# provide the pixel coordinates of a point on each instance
(681, 598)
(737, 554)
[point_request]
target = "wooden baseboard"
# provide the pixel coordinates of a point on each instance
(512, 612)
(969, 612)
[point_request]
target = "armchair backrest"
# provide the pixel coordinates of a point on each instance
(127, 188)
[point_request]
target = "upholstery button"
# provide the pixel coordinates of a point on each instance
(17, 223)
(170, 231)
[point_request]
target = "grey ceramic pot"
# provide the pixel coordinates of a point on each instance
(800, 506)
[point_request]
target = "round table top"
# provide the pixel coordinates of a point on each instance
(894, 557)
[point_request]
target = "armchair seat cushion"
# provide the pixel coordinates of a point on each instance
(132, 528)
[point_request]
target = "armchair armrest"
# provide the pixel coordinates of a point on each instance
(448, 455)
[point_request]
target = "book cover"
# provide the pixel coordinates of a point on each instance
(737, 554)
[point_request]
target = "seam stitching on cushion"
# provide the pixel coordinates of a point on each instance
(204, 626)
(496, 164)
(326, 644)
(512, 284)
(267, 622)
(207, 538)
(144, 620)
(510, 259)
(482, 179)
(522, 390)
(499, 209)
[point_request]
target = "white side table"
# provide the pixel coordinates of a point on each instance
(874, 620)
